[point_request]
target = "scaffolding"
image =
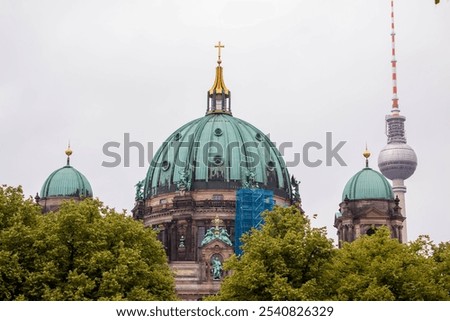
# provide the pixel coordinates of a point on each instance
(250, 203)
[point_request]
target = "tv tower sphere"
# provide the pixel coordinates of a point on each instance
(397, 161)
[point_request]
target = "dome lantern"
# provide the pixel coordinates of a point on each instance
(219, 97)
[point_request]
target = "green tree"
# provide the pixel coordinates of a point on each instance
(85, 251)
(281, 261)
(14, 209)
(287, 259)
(17, 219)
(378, 267)
(441, 255)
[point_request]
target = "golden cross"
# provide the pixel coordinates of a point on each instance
(219, 46)
(217, 221)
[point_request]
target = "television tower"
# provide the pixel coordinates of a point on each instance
(397, 160)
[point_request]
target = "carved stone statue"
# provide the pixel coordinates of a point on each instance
(139, 191)
(225, 237)
(216, 268)
(209, 236)
(296, 196)
(184, 184)
(249, 180)
(181, 245)
(215, 233)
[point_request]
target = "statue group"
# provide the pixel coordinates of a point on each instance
(216, 233)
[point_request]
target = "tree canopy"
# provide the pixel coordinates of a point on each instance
(378, 267)
(85, 251)
(281, 261)
(287, 259)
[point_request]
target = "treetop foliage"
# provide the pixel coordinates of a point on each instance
(378, 267)
(287, 259)
(281, 261)
(85, 251)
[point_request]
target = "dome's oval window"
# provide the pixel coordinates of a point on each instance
(165, 165)
(270, 165)
(259, 137)
(218, 132)
(177, 136)
(218, 160)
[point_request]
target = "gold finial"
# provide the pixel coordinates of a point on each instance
(367, 154)
(219, 46)
(217, 221)
(68, 153)
(219, 85)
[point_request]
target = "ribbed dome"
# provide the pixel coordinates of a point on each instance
(367, 184)
(66, 182)
(216, 151)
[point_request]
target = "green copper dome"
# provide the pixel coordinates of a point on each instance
(66, 182)
(367, 184)
(217, 151)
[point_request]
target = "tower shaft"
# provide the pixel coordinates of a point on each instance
(399, 189)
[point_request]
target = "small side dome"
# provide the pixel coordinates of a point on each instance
(367, 184)
(66, 182)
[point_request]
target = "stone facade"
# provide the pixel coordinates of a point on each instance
(360, 217)
(52, 204)
(182, 220)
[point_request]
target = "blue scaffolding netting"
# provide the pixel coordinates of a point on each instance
(250, 203)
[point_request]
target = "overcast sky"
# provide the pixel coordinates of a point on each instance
(91, 71)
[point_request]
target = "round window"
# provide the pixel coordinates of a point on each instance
(165, 165)
(218, 132)
(177, 136)
(218, 160)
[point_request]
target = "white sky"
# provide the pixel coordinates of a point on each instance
(90, 71)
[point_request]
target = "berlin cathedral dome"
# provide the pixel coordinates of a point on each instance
(190, 193)
(217, 151)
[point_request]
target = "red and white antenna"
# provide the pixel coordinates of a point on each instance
(395, 109)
